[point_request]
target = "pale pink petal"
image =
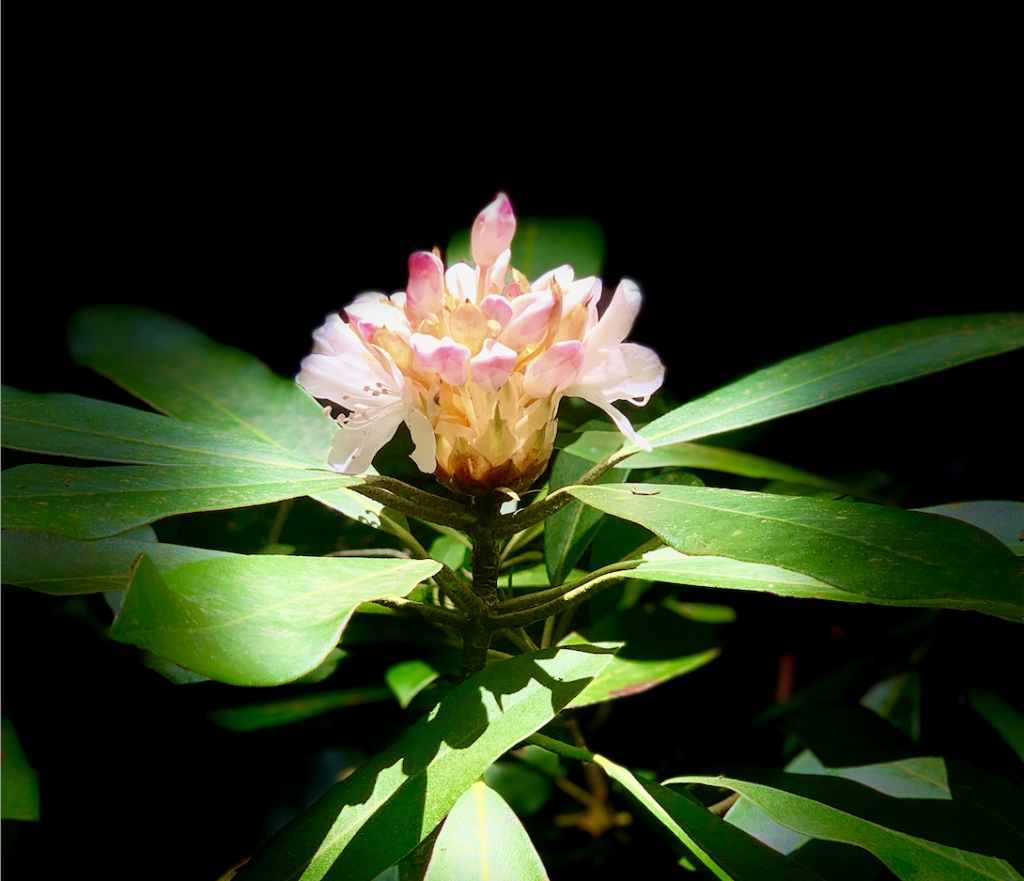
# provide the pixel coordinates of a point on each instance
(362, 436)
(562, 274)
(461, 281)
(493, 366)
(445, 357)
(529, 322)
(492, 231)
(346, 370)
(426, 282)
(618, 318)
(555, 370)
(497, 308)
(370, 312)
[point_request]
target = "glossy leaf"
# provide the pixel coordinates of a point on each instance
(866, 361)
(482, 838)
(568, 532)
(58, 565)
(725, 850)
(255, 620)
(381, 812)
(89, 503)
(272, 714)
(914, 839)
(407, 679)
(1004, 520)
(543, 243)
(83, 428)
(1001, 715)
(868, 550)
(178, 370)
(19, 781)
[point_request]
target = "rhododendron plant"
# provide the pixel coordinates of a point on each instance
(475, 361)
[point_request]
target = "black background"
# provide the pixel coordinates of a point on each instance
(765, 204)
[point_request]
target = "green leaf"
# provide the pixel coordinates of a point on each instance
(255, 620)
(382, 811)
(525, 789)
(1004, 520)
(483, 838)
(407, 679)
(568, 532)
(726, 851)
(1001, 715)
(867, 550)
(866, 361)
(659, 647)
(449, 550)
(19, 781)
(544, 243)
(536, 576)
(295, 709)
(70, 425)
(58, 565)
(180, 371)
(915, 839)
(89, 503)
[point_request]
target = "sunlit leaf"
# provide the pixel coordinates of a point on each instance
(866, 361)
(255, 620)
(915, 839)
(482, 838)
(543, 243)
(284, 712)
(868, 550)
(406, 679)
(19, 781)
(382, 811)
(83, 428)
(88, 503)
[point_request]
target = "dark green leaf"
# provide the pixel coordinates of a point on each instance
(255, 620)
(525, 789)
(1001, 715)
(482, 838)
(284, 712)
(19, 781)
(381, 812)
(89, 503)
(866, 361)
(869, 550)
(1004, 520)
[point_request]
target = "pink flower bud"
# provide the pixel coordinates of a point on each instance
(445, 357)
(529, 322)
(555, 370)
(493, 366)
(426, 282)
(492, 231)
(497, 308)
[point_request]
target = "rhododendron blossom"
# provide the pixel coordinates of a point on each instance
(475, 364)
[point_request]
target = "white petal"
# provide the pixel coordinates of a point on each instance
(360, 439)
(617, 321)
(422, 432)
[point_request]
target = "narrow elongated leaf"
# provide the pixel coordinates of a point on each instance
(387, 807)
(870, 550)
(866, 361)
(482, 838)
(255, 620)
(912, 838)
(271, 714)
(568, 532)
(91, 503)
(543, 243)
(180, 371)
(58, 565)
(83, 428)
(727, 851)
(19, 781)
(1001, 715)
(1004, 520)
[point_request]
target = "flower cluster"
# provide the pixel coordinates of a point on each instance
(475, 360)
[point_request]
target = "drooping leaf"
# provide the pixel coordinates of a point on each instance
(387, 807)
(255, 620)
(178, 370)
(862, 362)
(568, 532)
(1004, 520)
(88, 503)
(58, 565)
(914, 838)
(271, 714)
(1001, 715)
(482, 838)
(543, 243)
(868, 550)
(83, 428)
(19, 781)
(727, 852)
